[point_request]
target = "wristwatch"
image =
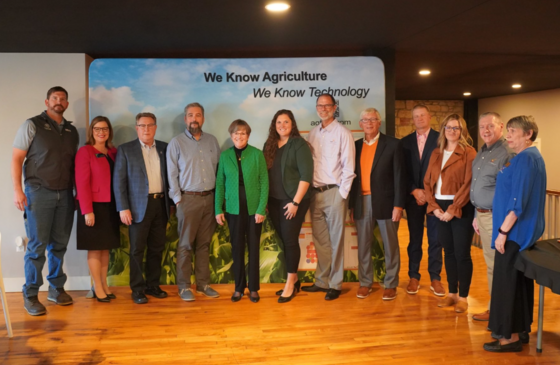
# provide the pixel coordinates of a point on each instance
(295, 204)
(502, 232)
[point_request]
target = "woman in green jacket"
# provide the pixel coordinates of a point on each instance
(242, 181)
(290, 171)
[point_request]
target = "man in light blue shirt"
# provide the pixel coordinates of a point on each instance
(192, 160)
(333, 159)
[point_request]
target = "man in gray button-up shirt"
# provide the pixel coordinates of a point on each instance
(192, 159)
(493, 155)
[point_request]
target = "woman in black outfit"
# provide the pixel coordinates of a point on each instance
(290, 171)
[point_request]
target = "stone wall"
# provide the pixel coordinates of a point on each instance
(438, 108)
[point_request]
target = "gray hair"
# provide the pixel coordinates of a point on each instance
(194, 105)
(370, 110)
(526, 123)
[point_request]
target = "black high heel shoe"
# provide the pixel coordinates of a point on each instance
(297, 285)
(102, 300)
(282, 299)
(236, 298)
(254, 297)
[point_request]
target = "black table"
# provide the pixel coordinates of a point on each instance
(541, 263)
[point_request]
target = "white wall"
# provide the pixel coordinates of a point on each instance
(545, 107)
(24, 81)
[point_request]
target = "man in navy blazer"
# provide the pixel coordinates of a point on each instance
(418, 147)
(141, 194)
(377, 198)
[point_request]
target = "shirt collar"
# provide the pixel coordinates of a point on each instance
(498, 143)
(425, 135)
(330, 127)
(145, 145)
(375, 139)
(189, 134)
(54, 121)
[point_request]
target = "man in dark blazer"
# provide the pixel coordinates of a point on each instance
(141, 194)
(378, 197)
(418, 147)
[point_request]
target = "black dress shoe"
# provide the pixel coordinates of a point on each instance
(156, 292)
(139, 297)
(510, 347)
(332, 294)
(236, 297)
(523, 337)
(254, 297)
(314, 289)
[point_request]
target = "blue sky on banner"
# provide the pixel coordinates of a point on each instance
(121, 88)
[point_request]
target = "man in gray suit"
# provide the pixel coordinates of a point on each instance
(140, 184)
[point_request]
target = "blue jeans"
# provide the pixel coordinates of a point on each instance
(50, 215)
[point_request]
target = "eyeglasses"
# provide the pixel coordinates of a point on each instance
(100, 129)
(145, 126)
(240, 134)
(324, 106)
(370, 120)
(454, 129)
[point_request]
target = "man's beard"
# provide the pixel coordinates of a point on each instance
(194, 128)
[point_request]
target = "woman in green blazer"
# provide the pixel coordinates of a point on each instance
(290, 171)
(242, 181)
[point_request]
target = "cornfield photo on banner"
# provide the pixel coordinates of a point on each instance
(272, 265)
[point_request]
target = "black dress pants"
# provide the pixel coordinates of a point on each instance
(149, 233)
(288, 229)
(415, 219)
(244, 231)
(511, 309)
(456, 238)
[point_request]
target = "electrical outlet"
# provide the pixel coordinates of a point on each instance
(20, 244)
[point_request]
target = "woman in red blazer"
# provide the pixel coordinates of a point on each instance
(98, 219)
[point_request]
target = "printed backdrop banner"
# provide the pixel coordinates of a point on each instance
(229, 89)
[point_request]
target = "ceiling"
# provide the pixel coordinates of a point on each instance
(481, 46)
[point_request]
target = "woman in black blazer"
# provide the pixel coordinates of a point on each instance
(290, 171)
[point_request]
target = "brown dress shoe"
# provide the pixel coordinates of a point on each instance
(484, 316)
(461, 306)
(437, 288)
(363, 292)
(413, 286)
(389, 294)
(446, 302)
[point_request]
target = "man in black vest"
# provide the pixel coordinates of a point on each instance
(48, 144)
(418, 147)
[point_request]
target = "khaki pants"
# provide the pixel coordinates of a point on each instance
(484, 221)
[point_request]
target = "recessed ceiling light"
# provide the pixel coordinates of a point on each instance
(425, 72)
(277, 6)
(466, 93)
(516, 86)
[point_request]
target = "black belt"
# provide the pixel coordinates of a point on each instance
(325, 187)
(201, 193)
(156, 196)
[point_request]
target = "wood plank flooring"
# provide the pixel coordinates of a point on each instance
(308, 330)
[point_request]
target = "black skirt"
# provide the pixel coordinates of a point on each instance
(105, 234)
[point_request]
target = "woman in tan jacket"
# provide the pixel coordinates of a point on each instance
(447, 183)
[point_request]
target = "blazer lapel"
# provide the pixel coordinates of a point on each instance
(415, 151)
(359, 147)
(431, 142)
(455, 156)
(140, 157)
(379, 151)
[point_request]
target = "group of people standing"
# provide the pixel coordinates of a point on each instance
(436, 177)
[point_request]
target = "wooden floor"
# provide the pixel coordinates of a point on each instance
(308, 330)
